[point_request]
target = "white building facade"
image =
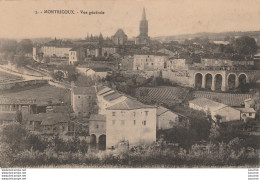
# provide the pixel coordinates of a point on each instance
(149, 62)
(132, 122)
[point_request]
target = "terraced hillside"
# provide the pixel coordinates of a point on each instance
(166, 95)
(176, 95)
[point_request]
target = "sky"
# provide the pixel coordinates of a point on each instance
(165, 17)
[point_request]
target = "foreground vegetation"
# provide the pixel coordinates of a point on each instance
(20, 148)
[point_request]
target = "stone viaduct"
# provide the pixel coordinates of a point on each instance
(223, 80)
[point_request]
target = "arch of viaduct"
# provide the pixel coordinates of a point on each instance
(220, 80)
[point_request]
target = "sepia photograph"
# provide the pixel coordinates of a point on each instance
(129, 84)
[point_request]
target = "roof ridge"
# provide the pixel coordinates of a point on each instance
(126, 103)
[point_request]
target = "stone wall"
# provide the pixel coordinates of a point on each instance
(182, 77)
(11, 85)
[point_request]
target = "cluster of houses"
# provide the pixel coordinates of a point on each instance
(109, 116)
(98, 111)
(121, 118)
(224, 113)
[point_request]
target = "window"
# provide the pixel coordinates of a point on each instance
(146, 113)
(78, 96)
(250, 114)
(113, 122)
(89, 97)
(144, 123)
(113, 113)
(134, 122)
(97, 126)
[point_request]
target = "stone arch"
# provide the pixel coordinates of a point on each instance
(218, 82)
(102, 142)
(93, 139)
(198, 80)
(232, 78)
(208, 81)
(242, 78)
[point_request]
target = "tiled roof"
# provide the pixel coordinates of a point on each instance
(13, 100)
(152, 54)
(246, 110)
(7, 116)
(101, 69)
(225, 98)
(102, 89)
(207, 103)
(161, 110)
(97, 117)
(84, 90)
(129, 104)
(48, 119)
(83, 66)
(112, 96)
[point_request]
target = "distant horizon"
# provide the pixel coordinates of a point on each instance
(82, 38)
(165, 18)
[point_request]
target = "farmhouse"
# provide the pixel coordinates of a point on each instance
(83, 100)
(11, 105)
(47, 123)
(6, 118)
(214, 108)
(165, 118)
(132, 122)
(247, 113)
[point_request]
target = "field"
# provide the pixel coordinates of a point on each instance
(175, 95)
(43, 94)
(6, 77)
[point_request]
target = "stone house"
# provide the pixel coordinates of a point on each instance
(83, 100)
(47, 123)
(214, 108)
(132, 122)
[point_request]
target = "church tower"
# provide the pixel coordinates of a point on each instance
(144, 25)
(143, 37)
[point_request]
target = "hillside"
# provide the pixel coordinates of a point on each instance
(212, 36)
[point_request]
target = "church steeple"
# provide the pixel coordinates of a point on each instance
(143, 37)
(144, 25)
(144, 15)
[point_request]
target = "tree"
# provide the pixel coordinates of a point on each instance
(245, 45)
(214, 132)
(14, 136)
(25, 46)
(71, 72)
(20, 61)
(8, 45)
(46, 60)
(58, 75)
(218, 118)
(18, 116)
